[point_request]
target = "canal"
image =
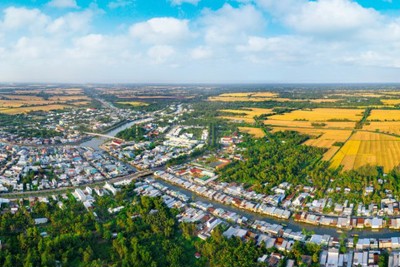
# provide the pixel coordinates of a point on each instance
(291, 224)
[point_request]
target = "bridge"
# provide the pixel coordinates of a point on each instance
(104, 135)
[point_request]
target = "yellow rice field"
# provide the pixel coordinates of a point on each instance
(368, 148)
(321, 137)
(324, 138)
(390, 102)
(250, 113)
(68, 98)
(384, 115)
(308, 124)
(21, 110)
(252, 94)
(330, 153)
(134, 103)
(256, 132)
(321, 114)
(390, 127)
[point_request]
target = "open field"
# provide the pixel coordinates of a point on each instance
(251, 94)
(324, 100)
(369, 148)
(22, 101)
(68, 98)
(321, 114)
(390, 102)
(389, 127)
(55, 91)
(256, 132)
(330, 153)
(21, 97)
(309, 124)
(257, 98)
(321, 137)
(80, 103)
(384, 115)
(324, 138)
(239, 99)
(246, 114)
(21, 110)
(134, 103)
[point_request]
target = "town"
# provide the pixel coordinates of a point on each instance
(88, 153)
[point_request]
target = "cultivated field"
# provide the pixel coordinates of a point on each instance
(324, 138)
(260, 97)
(309, 124)
(369, 148)
(22, 101)
(59, 98)
(384, 115)
(321, 114)
(246, 115)
(390, 127)
(12, 111)
(256, 132)
(390, 102)
(134, 103)
(250, 94)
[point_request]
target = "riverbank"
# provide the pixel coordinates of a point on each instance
(290, 223)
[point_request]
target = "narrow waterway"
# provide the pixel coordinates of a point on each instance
(291, 224)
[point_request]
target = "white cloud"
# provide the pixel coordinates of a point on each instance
(201, 53)
(325, 17)
(23, 18)
(231, 25)
(165, 30)
(227, 45)
(71, 22)
(180, 2)
(63, 4)
(120, 3)
(160, 53)
(332, 16)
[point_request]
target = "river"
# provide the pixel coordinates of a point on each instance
(95, 142)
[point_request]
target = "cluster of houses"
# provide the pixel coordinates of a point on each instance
(62, 166)
(364, 252)
(149, 154)
(278, 205)
(86, 196)
(66, 124)
(226, 194)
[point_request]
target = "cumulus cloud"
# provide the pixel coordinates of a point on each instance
(164, 30)
(23, 18)
(230, 25)
(201, 52)
(180, 2)
(160, 53)
(63, 4)
(120, 3)
(322, 16)
(71, 22)
(232, 43)
(327, 16)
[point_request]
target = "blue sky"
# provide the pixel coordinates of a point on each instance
(200, 41)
